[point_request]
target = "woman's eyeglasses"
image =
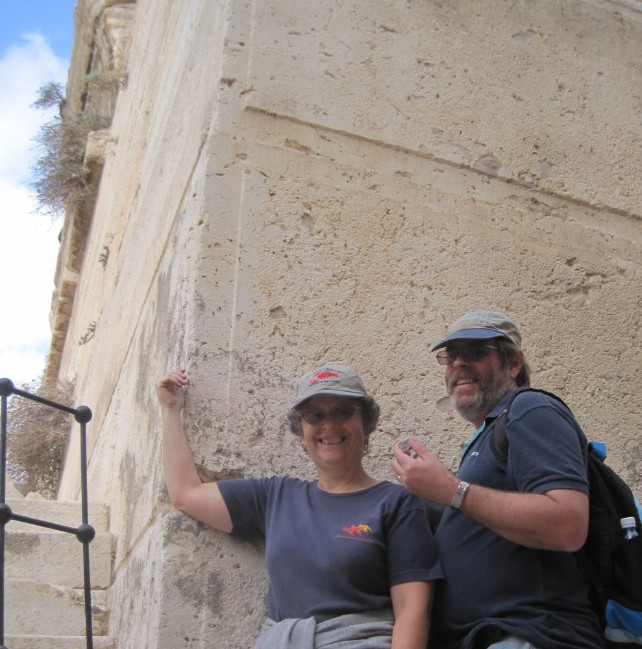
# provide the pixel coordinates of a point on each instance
(337, 414)
(469, 354)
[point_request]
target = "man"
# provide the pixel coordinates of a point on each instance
(507, 535)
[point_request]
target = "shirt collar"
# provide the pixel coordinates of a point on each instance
(490, 418)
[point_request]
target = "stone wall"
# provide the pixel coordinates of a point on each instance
(287, 183)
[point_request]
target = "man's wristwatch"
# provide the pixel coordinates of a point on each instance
(458, 498)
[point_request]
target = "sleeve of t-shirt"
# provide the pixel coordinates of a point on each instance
(411, 549)
(246, 501)
(546, 447)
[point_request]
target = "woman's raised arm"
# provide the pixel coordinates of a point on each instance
(188, 493)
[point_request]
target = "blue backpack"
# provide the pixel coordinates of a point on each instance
(611, 565)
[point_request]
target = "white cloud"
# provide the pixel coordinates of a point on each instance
(28, 241)
(24, 69)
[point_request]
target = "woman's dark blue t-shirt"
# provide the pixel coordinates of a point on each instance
(331, 554)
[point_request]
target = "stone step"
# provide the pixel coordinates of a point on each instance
(35, 608)
(57, 557)
(56, 642)
(62, 513)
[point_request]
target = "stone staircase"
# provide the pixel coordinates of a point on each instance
(44, 597)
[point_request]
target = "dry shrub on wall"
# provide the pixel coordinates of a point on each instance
(61, 179)
(106, 80)
(37, 437)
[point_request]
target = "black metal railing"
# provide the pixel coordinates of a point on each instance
(85, 533)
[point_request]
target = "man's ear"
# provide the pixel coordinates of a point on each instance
(516, 365)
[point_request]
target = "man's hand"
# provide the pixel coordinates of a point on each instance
(424, 474)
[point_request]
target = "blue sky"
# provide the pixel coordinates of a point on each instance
(53, 19)
(35, 48)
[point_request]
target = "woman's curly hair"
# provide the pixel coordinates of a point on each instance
(368, 408)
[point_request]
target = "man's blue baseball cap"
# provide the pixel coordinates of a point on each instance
(482, 325)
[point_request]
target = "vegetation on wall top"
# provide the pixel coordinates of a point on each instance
(61, 179)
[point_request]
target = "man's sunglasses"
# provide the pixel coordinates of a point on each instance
(469, 354)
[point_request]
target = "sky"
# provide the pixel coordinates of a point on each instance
(35, 48)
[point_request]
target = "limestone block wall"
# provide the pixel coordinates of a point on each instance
(286, 184)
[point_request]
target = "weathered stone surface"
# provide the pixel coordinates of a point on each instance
(35, 608)
(56, 642)
(190, 583)
(57, 558)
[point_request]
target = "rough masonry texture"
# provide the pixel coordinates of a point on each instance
(287, 183)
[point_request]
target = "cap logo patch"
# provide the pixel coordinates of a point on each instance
(323, 376)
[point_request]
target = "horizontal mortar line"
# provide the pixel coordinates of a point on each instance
(446, 162)
(135, 541)
(632, 5)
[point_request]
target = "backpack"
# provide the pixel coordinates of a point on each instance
(611, 565)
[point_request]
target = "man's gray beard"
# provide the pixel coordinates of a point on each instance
(489, 394)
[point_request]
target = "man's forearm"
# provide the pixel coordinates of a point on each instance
(556, 520)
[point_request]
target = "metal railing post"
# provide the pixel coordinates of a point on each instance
(85, 533)
(5, 512)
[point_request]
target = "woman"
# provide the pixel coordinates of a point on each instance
(350, 558)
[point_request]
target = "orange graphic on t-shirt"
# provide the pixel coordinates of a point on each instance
(356, 530)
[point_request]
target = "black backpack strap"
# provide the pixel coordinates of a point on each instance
(499, 440)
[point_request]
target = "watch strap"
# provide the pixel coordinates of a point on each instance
(458, 498)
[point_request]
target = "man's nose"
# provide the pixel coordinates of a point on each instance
(459, 358)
